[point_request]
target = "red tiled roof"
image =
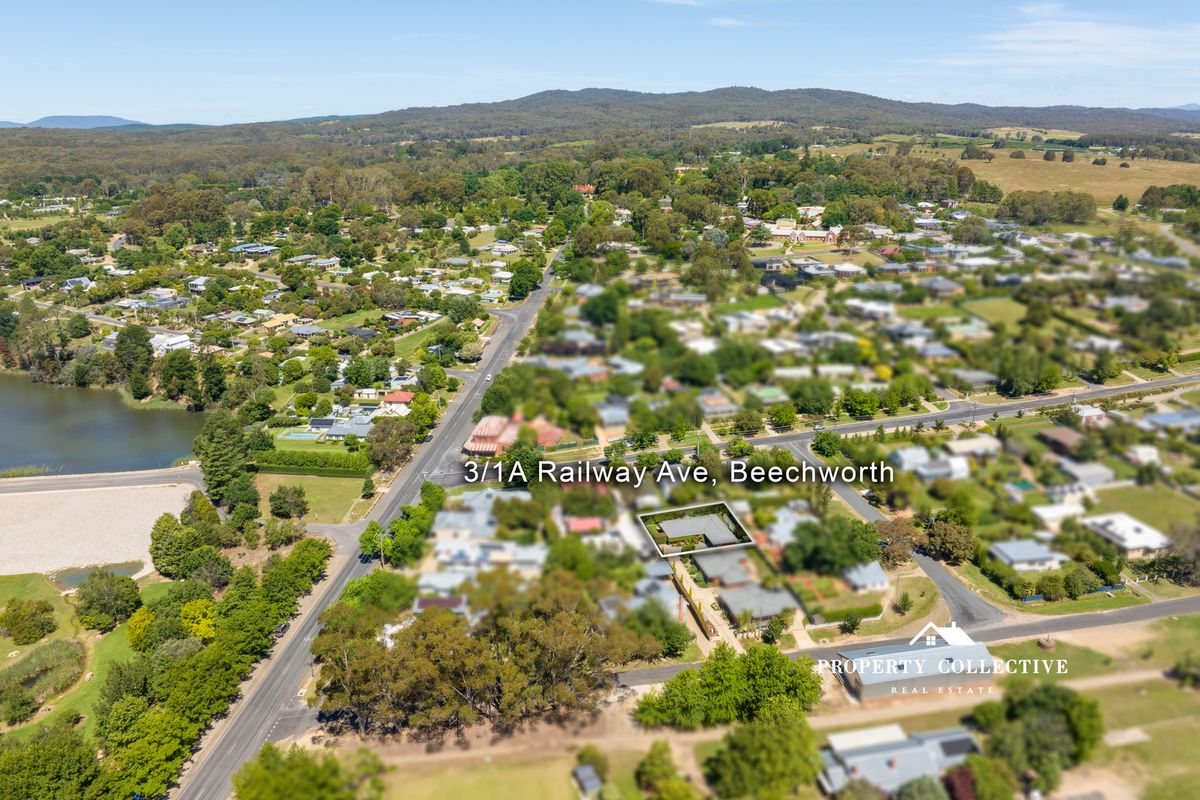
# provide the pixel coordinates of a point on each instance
(398, 397)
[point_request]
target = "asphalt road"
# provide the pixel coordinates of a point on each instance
(103, 480)
(991, 633)
(272, 709)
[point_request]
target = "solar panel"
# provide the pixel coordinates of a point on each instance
(958, 747)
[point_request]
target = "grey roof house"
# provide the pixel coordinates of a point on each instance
(888, 758)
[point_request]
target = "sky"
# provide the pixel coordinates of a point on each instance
(221, 62)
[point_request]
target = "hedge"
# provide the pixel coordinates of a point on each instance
(839, 615)
(314, 462)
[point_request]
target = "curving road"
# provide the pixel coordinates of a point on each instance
(189, 474)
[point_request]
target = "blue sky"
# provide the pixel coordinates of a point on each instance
(220, 61)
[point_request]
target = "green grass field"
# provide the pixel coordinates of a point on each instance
(540, 779)
(328, 498)
(1157, 505)
(997, 309)
(760, 302)
(37, 587)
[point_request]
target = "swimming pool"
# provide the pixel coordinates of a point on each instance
(300, 435)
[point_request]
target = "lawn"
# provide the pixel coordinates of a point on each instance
(1080, 175)
(541, 779)
(1170, 716)
(37, 587)
(407, 345)
(760, 302)
(1082, 662)
(997, 309)
(1156, 505)
(103, 652)
(1092, 602)
(929, 312)
(923, 594)
(328, 498)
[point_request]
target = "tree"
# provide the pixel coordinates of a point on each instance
(223, 453)
(170, 543)
(368, 488)
(289, 501)
(525, 278)
(899, 537)
(950, 541)
(391, 441)
(860, 403)
(904, 604)
(783, 415)
(826, 444)
(590, 755)
(302, 775)
(1104, 367)
(774, 754)
(26, 621)
(924, 787)
(1121, 203)
(991, 778)
(105, 600)
(851, 622)
(177, 375)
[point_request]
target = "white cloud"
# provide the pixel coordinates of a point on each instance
(727, 22)
(1049, 36)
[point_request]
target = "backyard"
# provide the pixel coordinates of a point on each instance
(329, 499)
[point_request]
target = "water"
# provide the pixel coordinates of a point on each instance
(86, 430)
(73, 577)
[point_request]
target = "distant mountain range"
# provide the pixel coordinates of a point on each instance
(76, 122)
(592, 111)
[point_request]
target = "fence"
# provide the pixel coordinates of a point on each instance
(1035, 597)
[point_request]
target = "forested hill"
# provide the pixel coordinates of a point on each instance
(38, 161)
(597, 109)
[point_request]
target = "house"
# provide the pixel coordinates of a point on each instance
(473, 518)
(1090, 474)
(936, 351)
(1091, 417)
(1142, 454)
(782, 529)
(1061, 439)
(983, 446)
(1027, 555)
(494, 434)
(588, 781)
(887, 758)
(1051, 515)
(714, 403)
(879, 310)
(199, 284)
(83, 283)
(614, 416)
(955, 468)
(907, 459)
(934, 660)
(757, 603)
(723, 567)
(1187, 421)
(712, 527)
(1135, 538)
(359, 426)
(397, 400)
(866, 577)
(941, 288)
(162, 343)
(976, 379)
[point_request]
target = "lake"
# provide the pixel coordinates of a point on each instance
(86, 430)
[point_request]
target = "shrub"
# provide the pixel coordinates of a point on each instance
(26, 621)
(105, 600)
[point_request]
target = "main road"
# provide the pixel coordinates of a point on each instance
(271, 708)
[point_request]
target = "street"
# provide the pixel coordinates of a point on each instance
(271, 709)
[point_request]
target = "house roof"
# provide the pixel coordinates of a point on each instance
(865, 575)
(727, 566)
(710, 526)
(1017, 551)
(888, 759)
(759, 601)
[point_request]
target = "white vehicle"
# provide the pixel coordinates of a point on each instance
(488, 377)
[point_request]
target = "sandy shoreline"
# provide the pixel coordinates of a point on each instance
(45, 532)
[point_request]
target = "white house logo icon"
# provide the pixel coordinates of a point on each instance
(935, 635)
